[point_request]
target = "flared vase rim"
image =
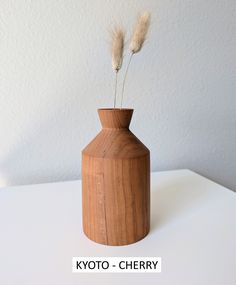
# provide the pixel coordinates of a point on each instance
(115, 109)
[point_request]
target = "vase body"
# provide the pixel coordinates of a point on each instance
(116, 182)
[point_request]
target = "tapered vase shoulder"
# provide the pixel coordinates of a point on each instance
(115, 140)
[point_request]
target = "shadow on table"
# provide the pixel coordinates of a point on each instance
(171, 200)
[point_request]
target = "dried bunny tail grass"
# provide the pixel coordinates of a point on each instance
(117, 48)
(136, 43)
(140, 32)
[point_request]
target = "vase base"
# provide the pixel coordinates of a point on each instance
(116, 244)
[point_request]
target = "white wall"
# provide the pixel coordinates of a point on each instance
(55, 71)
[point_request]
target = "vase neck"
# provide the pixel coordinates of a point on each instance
(115, 118)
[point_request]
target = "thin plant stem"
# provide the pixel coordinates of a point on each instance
(115, 88)
(124, 81)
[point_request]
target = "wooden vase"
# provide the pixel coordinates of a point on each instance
(116, 182)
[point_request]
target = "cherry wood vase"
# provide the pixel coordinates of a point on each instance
(116, 182)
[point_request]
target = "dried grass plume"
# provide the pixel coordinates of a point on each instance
(117, 48)
(140, 32)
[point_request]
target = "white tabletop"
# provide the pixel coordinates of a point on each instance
(193, 229)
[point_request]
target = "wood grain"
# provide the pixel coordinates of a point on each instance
(116, 182)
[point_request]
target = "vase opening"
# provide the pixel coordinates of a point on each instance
(115, 118)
